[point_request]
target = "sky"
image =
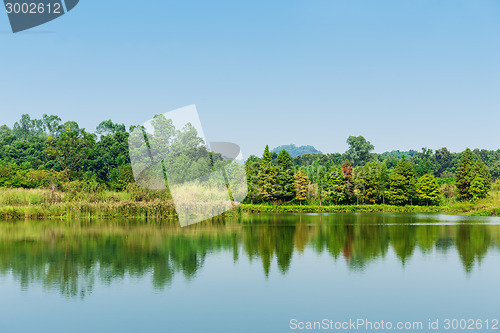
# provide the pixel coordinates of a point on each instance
(405, 74)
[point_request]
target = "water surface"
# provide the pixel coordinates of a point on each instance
(250, 274)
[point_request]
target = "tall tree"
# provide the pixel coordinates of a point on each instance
(27, 128)
(402, 183)
(478, 189)
(383, 180)
(70, 149)
(52, 124)
(427, 190)
(465, 175)
(252, 167)
(336, 185)
(321, 182)
(471, 167)
(347, 171)
(359, 150)
(107, 127)
(285, 177)
(267, 177)
(5, 131)
(301, 186)
(368, 178)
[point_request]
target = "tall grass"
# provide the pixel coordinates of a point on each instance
(39, 204)
(136, 203)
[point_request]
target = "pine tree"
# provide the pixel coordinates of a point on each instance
(336, 185)
(469, 169)
(428, 190)
(402, 183)
(465, 174)
(320, 181)
(370, 183)
(285, 177)
(383, 180)
(301, 186)
(267, 177)
(398, 192)
(482, 170)
(347, 171)
(252, 167)
(478, 189)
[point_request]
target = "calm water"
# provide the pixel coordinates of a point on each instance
(253, 274)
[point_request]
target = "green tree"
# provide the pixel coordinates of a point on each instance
(428, 190)
(285, 177)
(301, 186)
(368, 178)
(423, 162)
(496, 187)
(359, 150)
(471, 167)
(347, 171)
(267, 177)
(402, 183)
(465, 174)
(27, 128)
(107, 127)
(383, 180)
(52, 125)
(70, 126)
(321, 181)
(70, 149)
(336, 185)
(478, 189)
(5, 131)
(398, 191)
(252, 167)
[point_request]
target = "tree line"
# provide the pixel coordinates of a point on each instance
(47, 152)
(362, 178)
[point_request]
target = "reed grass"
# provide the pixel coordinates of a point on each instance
(141, 204)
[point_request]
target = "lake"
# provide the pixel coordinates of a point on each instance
(256, 273)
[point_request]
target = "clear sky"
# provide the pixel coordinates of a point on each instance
(405, 74)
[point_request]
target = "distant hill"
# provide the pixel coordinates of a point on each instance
(295, 151)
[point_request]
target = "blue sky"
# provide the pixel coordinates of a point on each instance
(406, 74)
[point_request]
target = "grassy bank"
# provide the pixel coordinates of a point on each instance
(486, 207)
(47, 204)
(150, 205)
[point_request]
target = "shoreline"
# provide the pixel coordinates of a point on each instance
(19, 204)
(162, 211)
(470, 209)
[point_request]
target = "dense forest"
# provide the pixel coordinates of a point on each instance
(43, 153)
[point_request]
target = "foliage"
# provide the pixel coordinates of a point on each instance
(478, 188)
(402, 183)
(267, 177)
(471, 169)
(359, 150)
(70, 149)
(301, 186)
(427, 190)
(285, 176)
(47, 152)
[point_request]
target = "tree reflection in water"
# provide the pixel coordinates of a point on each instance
(71, 257)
